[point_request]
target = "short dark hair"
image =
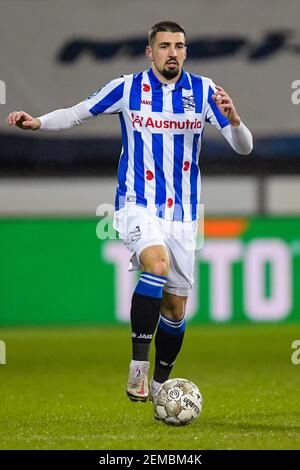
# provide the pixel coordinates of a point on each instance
(168, 26)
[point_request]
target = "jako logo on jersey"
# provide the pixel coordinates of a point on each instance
(149, 102)
(164, 123)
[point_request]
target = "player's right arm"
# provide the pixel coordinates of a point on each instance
(107, 100)
(23, 121)
(54, 121)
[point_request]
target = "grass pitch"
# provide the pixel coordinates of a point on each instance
(64, 389)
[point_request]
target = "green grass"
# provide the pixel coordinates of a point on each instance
(64, 389)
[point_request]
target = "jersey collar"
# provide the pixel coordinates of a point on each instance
(182, 82)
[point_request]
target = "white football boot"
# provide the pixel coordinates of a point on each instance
(153, 390)
(137, 385)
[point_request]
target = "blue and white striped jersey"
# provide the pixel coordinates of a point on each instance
(162, 126)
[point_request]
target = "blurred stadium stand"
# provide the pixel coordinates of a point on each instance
(62, 157)
(256, 57)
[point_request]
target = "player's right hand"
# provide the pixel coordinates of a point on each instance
(23, 121)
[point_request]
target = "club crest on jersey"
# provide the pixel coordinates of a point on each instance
(188, 103)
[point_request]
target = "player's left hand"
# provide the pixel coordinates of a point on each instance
(226, 106)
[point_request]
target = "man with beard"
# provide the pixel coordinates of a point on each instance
(162, 113)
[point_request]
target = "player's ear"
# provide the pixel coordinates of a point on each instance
(185, 49)
(149, 53)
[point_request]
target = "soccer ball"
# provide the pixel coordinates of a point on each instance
(177, 402)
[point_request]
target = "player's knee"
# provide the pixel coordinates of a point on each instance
(174, 313)
(154, 262)
(159, 267)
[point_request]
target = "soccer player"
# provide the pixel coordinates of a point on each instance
(162, 114)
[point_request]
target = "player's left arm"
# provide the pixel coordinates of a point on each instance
(236, 133)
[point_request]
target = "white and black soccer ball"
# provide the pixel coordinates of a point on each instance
(178, 402)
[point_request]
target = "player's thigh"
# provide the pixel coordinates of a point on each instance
(155, 259)
(142, 235)
(181, 247)
(173, 306)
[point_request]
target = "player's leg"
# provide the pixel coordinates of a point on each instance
(144, 314)
(142, 235)
(181, 243)
(169, 337)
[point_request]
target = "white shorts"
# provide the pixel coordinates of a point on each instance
(139, 229)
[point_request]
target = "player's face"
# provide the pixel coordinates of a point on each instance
(168, 52)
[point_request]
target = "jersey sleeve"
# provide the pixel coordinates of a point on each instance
(213, 115)
(108, 99)
(240, 138)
